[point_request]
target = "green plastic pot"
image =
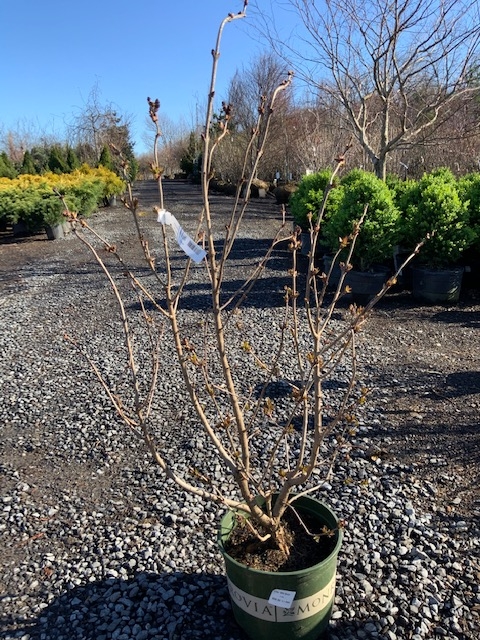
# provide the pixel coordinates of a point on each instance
(251, 590)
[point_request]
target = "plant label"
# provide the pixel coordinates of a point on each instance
(282, 598)
(191, 248)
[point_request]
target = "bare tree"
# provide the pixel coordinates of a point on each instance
(170, 144)
(245, 93)
(318, 133)
(249, 84)
(97, 125)
(396, 70)
(23, 137)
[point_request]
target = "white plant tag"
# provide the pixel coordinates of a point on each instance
(191, 248)
(282, 598)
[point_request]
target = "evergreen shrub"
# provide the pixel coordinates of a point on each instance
(308, 198)
(379, 231)
(469, 191)
(434, 203)
(32, 199)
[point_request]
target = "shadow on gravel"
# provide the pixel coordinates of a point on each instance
(461, 383)
(464, 318)
(173, 606)
(168, 606)
(267, 291)
(7, 237)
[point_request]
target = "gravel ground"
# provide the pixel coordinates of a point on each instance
(95, 544)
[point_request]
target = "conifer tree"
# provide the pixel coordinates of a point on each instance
(72, 160)
(56, 160)
(7, 169)
(106, 158)
(28, 166)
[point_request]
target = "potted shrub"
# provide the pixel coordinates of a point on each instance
(432, 205)
(366, 199)
(469, 190)
(106, 184)
(52, 215)
(27, 209)
(306, 203)
(276, 449)
(284, 192)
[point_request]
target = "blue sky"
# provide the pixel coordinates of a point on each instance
(54, 52)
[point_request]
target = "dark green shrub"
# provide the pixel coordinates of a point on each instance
(379, 230)
(72, 160)
(308, 198)
(189, 162)
(106, 159)
(397, 187)
(469, 191)
(85, 195)
(57, 162)
(433, 203)
(28, 165)
(51, 209)
(7, 170)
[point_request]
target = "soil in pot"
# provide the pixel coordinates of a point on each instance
(305, 549)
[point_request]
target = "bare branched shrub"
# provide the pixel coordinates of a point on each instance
(269, 446)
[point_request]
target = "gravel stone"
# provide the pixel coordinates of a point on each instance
(96, 545)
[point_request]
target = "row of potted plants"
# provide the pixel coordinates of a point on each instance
(397, 215)
(31, 200)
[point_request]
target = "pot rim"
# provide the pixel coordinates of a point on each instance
(427, 269)
(223, 532)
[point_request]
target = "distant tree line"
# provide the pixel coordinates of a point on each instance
(97, 136)
(396, 83)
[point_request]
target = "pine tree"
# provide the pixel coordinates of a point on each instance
(28, 166)
(56, 160)
(7, 169)
(106, 158)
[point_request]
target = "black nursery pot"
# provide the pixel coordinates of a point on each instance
(437, 286)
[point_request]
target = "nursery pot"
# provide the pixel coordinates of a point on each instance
(336, 272)
(20, 228)
(366, 284)
(437, 285)
(404, 280)
(55, 232)
(253, 591)
(305, 250)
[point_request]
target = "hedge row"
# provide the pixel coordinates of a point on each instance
(399, 213)
(31, 199)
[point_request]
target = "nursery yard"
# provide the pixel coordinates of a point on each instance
(421, 362)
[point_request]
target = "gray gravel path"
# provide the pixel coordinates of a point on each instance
(95, 545)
